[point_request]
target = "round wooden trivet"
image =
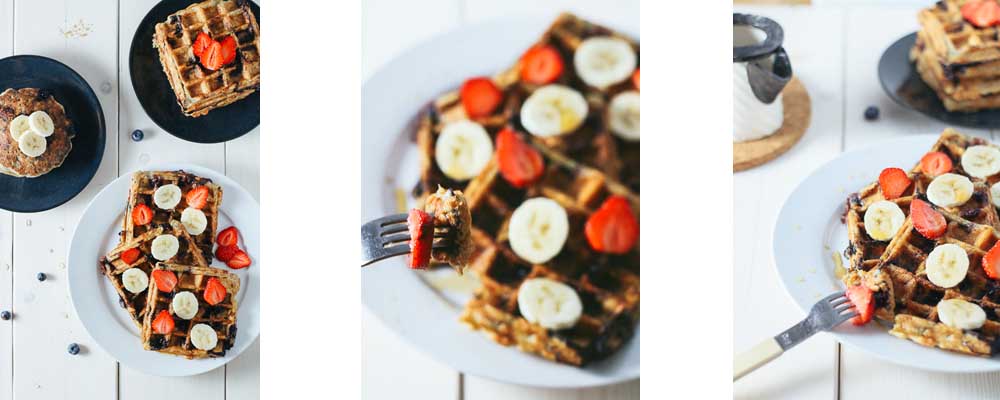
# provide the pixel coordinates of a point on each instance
(797, 110)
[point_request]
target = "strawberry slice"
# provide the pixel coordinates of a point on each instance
(226, 253)
(893, 182)
(635, 78)
(613, 228)
(228, 50)
(197, 197)
(981, 13)
(935, 163)
(165, 280)
(164, 323)
(130, 256)
(142, 214)
(201, 43)
(991, 262)
(520, 164)
(239, 260)
(541, 65)
(421, 227)
(215, 293)
(228, 237)
(928, 221)
(864, 304)
(212, 57)
(480, 97)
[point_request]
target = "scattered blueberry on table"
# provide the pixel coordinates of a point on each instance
(5, 315)
(137, 135)
(41, 277)
(871, 113)
(73, 349)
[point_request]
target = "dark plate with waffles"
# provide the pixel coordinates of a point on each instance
(158, 99)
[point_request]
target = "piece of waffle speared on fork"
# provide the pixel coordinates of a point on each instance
(197, 88)
(196, 318)
(141, 194)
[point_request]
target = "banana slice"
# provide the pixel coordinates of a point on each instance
(41, 123)
(603, 61)
(18, 126)
(135, 280)
(185, 305)
(164, 247)
(949, 190)
(961, 314)
(553, 110)
(463, 149)
(947, 265)
(883, 219)
(194, 221)
(167, 196)
(538, 230)
(204, 337)
(624, 115)
(551, 304)
(31, 144)
(995, 192)
(981, 161)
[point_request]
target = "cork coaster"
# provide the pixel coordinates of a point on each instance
(797, 110)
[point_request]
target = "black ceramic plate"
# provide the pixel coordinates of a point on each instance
(902, 83)
(154, 93)
(82, 107)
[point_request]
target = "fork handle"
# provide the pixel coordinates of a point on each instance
(761, 354)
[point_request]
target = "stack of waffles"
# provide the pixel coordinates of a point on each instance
(162, 263)
(957, 59)
(896, 270)
(585, 166)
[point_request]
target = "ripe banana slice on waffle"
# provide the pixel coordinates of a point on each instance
(949, 190)
(165, 247)
(553, 110)
(204, 337)
(947, 265)
(604, 61)
(538, 230)
(166, 197)
(134, 280)
(549, 303)
(194, 221)
(981, 161)
(463, 149)
(961, 314)
(184, 305)
(883, 219)
(624, 115)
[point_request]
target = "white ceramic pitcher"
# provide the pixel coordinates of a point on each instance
(760, 71)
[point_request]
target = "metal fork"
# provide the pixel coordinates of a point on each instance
(825, 314)
(388, 237)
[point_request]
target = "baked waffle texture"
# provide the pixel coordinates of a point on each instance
(145, 183)
(221, 317)
(198, 89)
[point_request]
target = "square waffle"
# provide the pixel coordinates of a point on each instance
(198, 89)
(220, 317)
(145, 183)
(113, 266)
(955, 40)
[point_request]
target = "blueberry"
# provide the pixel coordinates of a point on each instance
(137, 135)
(5, 315)
(871, 113)
(41, 276)
(73, 349)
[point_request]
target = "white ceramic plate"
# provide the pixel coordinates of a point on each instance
(423, 308)
(96, 302)
(808, 235)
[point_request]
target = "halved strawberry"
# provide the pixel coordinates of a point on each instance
(212, 57)
(164, 323)
(983, 13)
(613, 228)
(935, 163)
(541, 65)
(228, 237)
(215, 292)
(520, 163)
(226, 253)
(228, 50)
(635, 78)
(131, 255)
(197, 197)
(239, 260)
(201, 43)
(421, 226)
(928, 221)
(142, 214)
(893, 182)
(864, 304)
(991, 262)
(165, 280)
(480, 97)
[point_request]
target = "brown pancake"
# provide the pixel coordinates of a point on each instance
(15, 102)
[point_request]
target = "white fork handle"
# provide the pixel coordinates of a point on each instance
(752, 359)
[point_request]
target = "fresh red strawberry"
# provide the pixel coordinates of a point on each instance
(197, 197)
(480, 97)
(131, 255)
(142, 214)
(635, 78)
(226, 253)
(164, 323)
(935, 163)
(893, 182)
(239, 260)
(983, 13)
(201, 43)
(421, 227)
(541, 65)
(928, 221)
(520, 164)
(228, 50)
(165, 280)
(228, 237)
(613, 228)
(212, 57)
(215, 292)
(991, 262)
(862, 298)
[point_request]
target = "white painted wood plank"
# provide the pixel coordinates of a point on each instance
(814, 43)
(6, 236)
(485, 389)
(243, 374)
(83, 36)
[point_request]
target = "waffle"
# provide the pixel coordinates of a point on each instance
(199, 90)
(145, 183)
(221, 317)
(113, 266)
(955, 40)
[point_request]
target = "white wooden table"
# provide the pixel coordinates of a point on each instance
(93, 37)
(392, 368)
(834, 51)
